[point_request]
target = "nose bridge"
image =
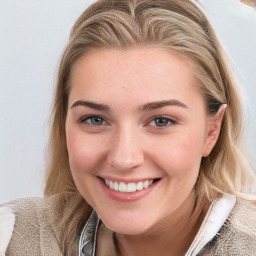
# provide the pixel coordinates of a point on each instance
(126, 150)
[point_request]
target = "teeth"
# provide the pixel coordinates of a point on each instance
(146, 184)
(139, 185)
(116, 186)
(130, 187)
(122, 187)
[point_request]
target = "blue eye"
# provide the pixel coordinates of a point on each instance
(93, 120)
(162, 122)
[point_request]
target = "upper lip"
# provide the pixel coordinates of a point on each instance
(132, 180)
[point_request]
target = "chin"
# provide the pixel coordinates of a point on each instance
(127, 223)
(126, 229)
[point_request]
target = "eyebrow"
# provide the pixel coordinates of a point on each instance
(93, 105)
(146, 107)
(161, 104)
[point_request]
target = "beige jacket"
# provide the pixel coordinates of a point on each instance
(229, 228)
(37, 227)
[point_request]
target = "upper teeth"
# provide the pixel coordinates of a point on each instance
(129, 187)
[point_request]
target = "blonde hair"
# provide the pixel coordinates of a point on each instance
(181, 26)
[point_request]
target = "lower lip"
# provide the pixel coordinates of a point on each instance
(128, 196)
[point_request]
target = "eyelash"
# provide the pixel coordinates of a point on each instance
(169, 121)
(84, 119)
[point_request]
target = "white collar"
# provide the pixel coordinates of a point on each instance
(216, 216)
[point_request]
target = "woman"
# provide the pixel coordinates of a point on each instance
(146, 149)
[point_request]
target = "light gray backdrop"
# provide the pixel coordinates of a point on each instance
(32, 37)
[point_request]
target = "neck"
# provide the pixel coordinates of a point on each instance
(171, 236)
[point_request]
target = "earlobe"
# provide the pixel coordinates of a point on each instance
(213, 130)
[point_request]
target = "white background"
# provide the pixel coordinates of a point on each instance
(33, 35)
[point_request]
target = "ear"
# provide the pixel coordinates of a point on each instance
(213, 130)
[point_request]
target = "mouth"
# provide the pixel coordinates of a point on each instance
(129, 187)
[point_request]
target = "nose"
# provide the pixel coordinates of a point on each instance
(125, 151)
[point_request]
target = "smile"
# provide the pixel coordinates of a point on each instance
(128, 187)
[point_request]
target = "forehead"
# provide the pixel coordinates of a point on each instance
(144, 73)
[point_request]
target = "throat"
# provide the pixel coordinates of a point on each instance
(175, 240)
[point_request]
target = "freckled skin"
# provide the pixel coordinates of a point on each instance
(128, 145)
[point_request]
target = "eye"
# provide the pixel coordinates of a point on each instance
(162, 122)
(92, 120)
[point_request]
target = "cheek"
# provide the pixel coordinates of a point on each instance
(180, 155)
(85, 157)
(84, 152)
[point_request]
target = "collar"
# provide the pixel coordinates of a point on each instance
(216, 216)
(87, 242)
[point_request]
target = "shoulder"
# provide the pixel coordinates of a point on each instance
(243, 218)
(44, 226)
(11, 214)
(237, 235)
(28, 224)
(7, 219)
(23, 206)
(31, 225)
(26, 210)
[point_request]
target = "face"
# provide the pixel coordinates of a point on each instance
(136, 131)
